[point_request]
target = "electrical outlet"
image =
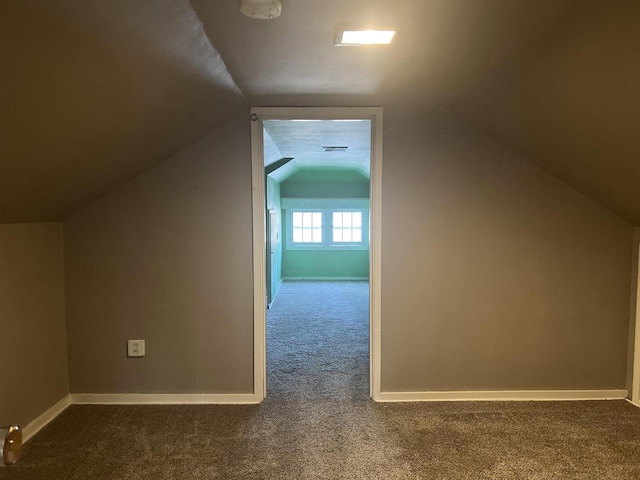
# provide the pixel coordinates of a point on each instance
(135, 348)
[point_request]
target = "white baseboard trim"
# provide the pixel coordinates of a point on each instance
(249, 399)
(328, 279)
(43, 420)
(633, 403)
(277, 290)
(133, 399)
(502, 395)
(163, 398)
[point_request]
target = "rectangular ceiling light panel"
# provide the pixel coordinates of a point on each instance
(364, 37)
(331, 148)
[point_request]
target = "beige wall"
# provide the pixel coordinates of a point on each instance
(495, 275)
(570, 105)
(32, 321)
(166, 258)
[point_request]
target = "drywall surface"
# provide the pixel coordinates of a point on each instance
(323, 183)
(571, 105)
(95, 93)
(167, 258)
(495, 275)
(332, 264)
(328, 184)
(33, 351)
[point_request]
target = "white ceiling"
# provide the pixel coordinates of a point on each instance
(443, 47)
(95, 92)
(303, 140)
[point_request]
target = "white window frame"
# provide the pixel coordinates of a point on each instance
(363, 244)
(327, 207)
(291, 245)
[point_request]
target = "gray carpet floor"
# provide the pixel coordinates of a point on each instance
(318, 422)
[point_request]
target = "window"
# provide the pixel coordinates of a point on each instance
(307, 227)
(347, 227)
(319, 224)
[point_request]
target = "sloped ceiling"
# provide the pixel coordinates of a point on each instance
(304, 141)
(94, 92)
(572, 105)
(443, 47)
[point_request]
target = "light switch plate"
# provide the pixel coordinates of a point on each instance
(135, 348)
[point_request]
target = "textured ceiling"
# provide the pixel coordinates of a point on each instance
(303, 141)
(94, 92)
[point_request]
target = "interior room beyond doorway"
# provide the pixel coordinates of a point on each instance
(317, 255)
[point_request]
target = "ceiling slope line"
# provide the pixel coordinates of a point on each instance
(473, 125)
(219, 66)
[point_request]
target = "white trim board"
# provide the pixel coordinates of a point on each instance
(633, 403)
(275, 294)
(163, 399)
(258, 115)
(134, 399)
(43, 420)
(250, 399)
(333, 279)
(635, 376)
(503, 395)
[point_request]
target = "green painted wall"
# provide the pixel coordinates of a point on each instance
(330, 184)
(325, 183)
(325, 263)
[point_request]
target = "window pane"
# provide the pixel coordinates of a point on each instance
(347, 227)
(306, 227)
(317, 219)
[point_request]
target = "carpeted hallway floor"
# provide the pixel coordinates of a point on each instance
(318, 422)
(318, 342)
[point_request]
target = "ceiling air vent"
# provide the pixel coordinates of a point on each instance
(334, 149)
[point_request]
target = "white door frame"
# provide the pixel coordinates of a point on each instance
(635, 375)
(258, 115)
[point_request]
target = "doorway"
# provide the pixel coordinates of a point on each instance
(265, 283)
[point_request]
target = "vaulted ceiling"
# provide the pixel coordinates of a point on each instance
(571, 104)
(94, 92)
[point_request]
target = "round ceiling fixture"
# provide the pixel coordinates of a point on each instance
(261, 9)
